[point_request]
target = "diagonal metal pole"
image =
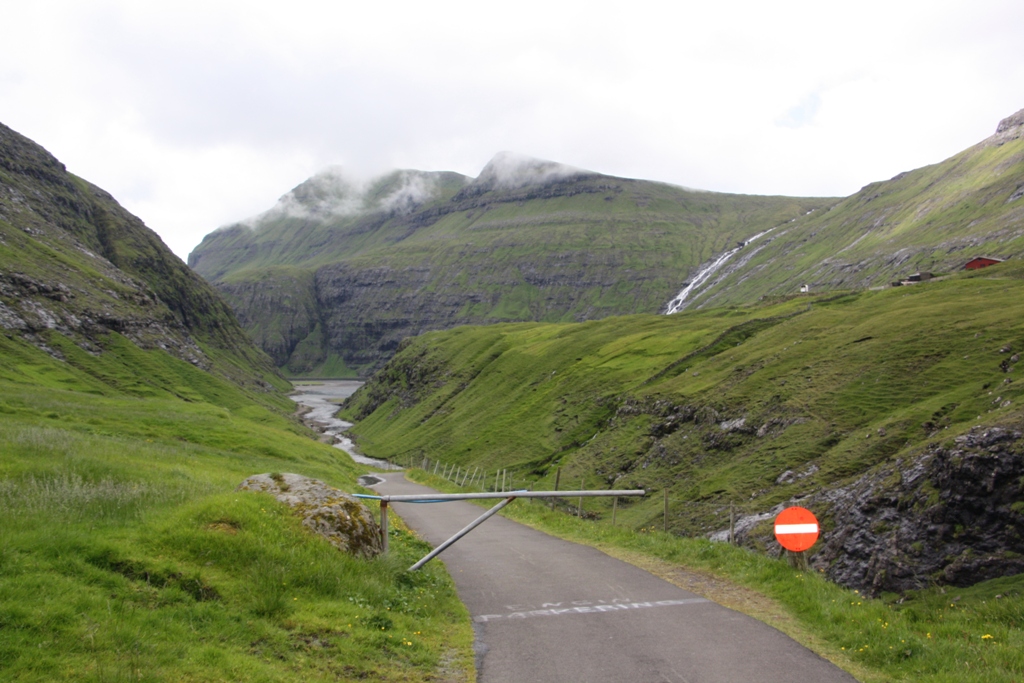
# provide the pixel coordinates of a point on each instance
(469, 527)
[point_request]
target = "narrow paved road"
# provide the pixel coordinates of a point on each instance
(546, 611)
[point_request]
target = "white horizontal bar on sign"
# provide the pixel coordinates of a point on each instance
(796, 528)
(511, 494)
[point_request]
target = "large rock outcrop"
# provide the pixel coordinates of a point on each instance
(952, 515)
(326, 511)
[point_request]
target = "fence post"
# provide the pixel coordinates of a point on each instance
(384, 526)
(615, 508)
(579, 509)
(666, 510)
(732, 524)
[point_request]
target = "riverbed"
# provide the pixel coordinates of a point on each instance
(320, 398)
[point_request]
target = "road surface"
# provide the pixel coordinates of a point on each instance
(547, 610)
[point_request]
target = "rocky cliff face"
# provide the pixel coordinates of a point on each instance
(75, 263)
(949, 515)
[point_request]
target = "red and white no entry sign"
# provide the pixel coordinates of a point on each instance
(796, 529)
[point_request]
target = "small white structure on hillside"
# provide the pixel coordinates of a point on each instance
(804, 289)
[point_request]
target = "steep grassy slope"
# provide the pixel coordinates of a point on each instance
(934, 219)
(75, 264)
(131, 406)
(753, 406)
(335, 276)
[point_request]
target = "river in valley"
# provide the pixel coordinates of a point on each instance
(320, 398)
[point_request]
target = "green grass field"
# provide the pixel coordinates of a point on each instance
(127, 555)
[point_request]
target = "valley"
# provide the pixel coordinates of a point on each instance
(730, 354)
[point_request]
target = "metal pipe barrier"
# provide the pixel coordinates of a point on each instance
(448, 497)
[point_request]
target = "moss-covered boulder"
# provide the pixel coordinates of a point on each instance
(337, 516)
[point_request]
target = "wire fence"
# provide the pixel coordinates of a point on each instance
(720, 519)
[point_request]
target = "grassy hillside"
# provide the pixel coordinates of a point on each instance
(933, 219)
(346, 280)
(751, 406)
(125, 553)
(131, 406)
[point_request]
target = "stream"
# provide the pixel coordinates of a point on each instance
(319, 398)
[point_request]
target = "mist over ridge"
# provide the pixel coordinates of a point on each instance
(336, 192)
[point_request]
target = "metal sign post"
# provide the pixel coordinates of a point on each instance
(796, 530)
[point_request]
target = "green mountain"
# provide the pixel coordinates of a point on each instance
(131, 406)
(330, 280)
(933, 219)
(896, 415)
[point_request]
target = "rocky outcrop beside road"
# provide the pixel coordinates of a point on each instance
(326, 511)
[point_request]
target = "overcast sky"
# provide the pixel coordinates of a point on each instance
(197, 114)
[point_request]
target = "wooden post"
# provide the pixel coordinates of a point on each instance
(497, 475)
(558, 476)
(435, 468)
(732, 524)
(384, 526)
(666, 510)
(503, 473)
(579, 509)
(797, 561)
(615, 508)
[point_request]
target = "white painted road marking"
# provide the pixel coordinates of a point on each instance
(592, 609)
(796, 528)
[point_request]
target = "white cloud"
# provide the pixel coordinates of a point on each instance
(198, 114)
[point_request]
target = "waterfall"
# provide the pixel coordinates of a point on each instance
(704, 274)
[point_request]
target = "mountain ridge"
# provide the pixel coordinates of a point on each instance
(526, 240)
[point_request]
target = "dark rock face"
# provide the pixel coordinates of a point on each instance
(337, 516)
(950, 516)
(367, 311)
